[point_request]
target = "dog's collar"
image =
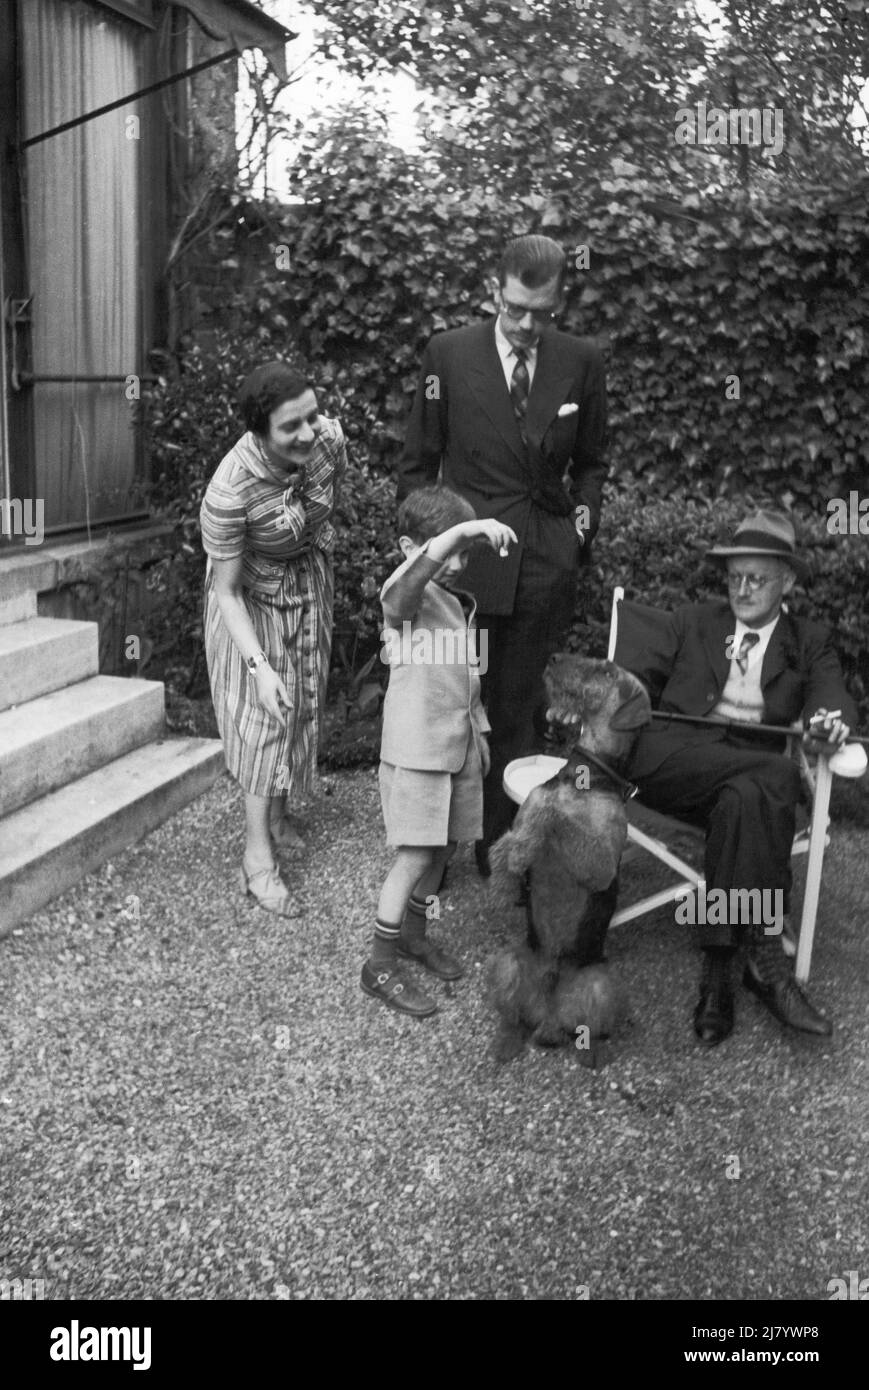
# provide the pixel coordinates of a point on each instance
(579, 755)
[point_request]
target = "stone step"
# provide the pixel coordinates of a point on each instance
(19, 608)
(39, 655)
(60, 737)
(47, 846)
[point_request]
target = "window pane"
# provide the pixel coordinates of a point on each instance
(83, 225)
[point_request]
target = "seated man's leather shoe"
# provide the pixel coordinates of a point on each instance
(768, 975)
(481, 854)
(713, 1016)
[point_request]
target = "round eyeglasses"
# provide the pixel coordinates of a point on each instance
(754, 581)
(519, 311)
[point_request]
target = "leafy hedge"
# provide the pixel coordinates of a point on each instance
(651, 544)
(683, 295)
(735, 329)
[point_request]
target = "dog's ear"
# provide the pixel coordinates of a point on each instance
(635, 712)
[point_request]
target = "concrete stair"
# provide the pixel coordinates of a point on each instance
(84, 767)
(55, 739)
(49, 845)
(43, 654)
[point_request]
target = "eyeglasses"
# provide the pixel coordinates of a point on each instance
(519, 311)
(754, 581)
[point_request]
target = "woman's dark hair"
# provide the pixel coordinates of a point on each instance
(427, 511)
(267, 387)
(534, 261)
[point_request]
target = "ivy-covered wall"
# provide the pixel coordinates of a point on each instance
(737, 362)
(737, 335)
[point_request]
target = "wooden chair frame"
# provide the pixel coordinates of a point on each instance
(818, 776)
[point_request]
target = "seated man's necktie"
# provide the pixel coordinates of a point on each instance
(519, 391)
(749, 640)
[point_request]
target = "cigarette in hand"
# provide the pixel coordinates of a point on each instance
(822, 718)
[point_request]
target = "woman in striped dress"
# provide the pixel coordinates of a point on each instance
(268, 606)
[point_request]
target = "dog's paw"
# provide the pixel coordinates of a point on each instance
(550, 1033)
(591, 996)
(508, 1044)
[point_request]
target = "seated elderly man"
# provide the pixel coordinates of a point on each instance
(747, 660)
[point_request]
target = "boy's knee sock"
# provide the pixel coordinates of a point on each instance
(414, 925)
(384, 948)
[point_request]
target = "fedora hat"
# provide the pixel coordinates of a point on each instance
(764, 533)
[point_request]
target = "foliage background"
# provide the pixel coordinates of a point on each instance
(705, 264)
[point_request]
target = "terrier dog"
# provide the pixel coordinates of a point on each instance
(564, 851)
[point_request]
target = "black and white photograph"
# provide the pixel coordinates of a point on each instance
(434, 668)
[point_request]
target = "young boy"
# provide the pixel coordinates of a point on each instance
(434, 751)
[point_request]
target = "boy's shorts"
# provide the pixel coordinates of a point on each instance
(430, 808)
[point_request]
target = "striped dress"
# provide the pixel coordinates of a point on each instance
(286, 547)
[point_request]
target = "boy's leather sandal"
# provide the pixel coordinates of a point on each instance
(439, 962)
(397, 992)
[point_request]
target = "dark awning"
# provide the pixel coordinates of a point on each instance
(243, 25)
(239, 24)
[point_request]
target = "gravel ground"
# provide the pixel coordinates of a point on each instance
(198, 1102)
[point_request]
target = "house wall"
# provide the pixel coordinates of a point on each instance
(123, 580)
(117, 581)
(201, 162)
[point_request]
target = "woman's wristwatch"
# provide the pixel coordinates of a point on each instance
(252, 662)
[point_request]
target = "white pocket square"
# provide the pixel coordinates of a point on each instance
(569, 408)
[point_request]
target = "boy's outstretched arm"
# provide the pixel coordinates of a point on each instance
(401, 595)
(499, 536)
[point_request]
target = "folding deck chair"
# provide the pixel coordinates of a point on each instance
(633, 627)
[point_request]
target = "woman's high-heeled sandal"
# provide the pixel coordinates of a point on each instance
(285, 835)
(268, 890)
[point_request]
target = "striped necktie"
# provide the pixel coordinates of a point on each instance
(519, 391)
(749, 640)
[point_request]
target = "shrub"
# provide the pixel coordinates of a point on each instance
(734, 328)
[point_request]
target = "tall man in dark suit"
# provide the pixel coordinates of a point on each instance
(511, 414)
(746, 660)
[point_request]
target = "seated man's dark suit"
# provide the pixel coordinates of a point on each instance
(463, 429)
(739, 786)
